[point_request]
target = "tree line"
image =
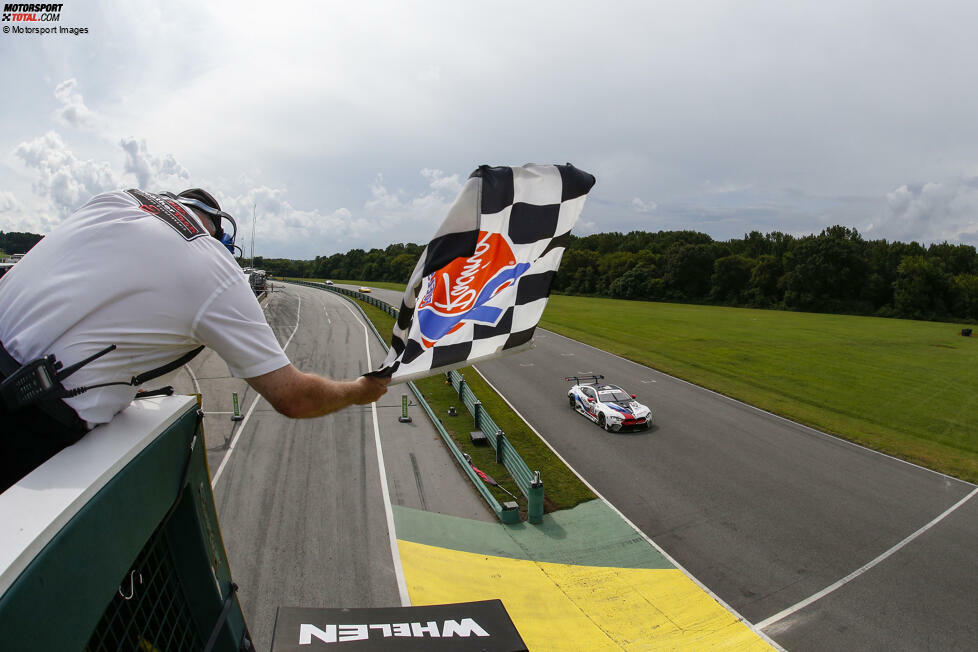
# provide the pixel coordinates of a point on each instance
(393, 263)
(18, 243)
(836, 271)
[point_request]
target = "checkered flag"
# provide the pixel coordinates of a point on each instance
(480, 286)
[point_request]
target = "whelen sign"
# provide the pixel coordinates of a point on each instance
(464, 626)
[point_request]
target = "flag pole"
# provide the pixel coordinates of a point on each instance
(253, 218)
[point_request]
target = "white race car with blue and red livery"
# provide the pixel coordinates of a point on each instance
(609, 406)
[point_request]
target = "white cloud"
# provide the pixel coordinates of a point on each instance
(932, 212)
(639, 205)
(152, 172)
(439, 182)
(64, 179)
(427, 208)
(282, 230)
(8, 202)
(585, 227)
(656, 98)
(381, 199)
(73, 111)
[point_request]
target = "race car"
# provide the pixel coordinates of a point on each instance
(609, 406)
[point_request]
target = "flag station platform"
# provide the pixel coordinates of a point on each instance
(582, 580)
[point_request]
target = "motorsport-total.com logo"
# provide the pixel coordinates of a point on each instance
(30, 13)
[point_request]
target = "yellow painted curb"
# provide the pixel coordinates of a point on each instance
(565, 607)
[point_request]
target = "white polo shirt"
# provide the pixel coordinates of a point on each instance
(122, 271)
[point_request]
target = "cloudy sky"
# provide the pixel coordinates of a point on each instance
(353, 124)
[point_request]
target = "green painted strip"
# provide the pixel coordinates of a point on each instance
(591, 534)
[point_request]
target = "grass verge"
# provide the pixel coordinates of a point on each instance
(903, 387)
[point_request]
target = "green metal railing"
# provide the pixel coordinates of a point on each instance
(529, 482)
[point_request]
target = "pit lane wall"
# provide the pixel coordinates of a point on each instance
(114, 542)
(528, 481)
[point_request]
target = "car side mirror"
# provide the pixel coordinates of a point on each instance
(633, 396)
(590, 400)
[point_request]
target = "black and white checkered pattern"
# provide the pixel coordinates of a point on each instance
(534, 207)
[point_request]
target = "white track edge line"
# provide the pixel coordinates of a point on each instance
(762, 410)
(859, 571)
(638, 531)
(234, 440)
(193, 377)
(391, 533)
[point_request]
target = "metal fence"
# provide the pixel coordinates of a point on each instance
(529, 482)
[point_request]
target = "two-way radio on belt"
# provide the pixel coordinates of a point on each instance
(40, 379)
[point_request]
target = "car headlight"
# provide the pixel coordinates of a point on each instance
(614, 417)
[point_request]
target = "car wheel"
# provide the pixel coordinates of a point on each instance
(602, 421)
(573, 403)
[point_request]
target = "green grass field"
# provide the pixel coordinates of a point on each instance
(908, 388)
(903, 387)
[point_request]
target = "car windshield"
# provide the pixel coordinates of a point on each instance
(614, 395)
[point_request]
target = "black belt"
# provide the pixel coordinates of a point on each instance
(61, 411)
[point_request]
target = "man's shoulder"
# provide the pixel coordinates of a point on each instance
(120, 197)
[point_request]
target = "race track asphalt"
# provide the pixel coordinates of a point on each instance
(766, 513)
(301, 502)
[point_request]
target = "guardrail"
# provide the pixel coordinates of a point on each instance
(114, 543)
(529, 482)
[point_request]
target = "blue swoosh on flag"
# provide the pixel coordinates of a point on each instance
(434, 325)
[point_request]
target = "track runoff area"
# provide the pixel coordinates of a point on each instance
(304, 517)
(819, 543)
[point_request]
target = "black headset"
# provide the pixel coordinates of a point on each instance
(216, 215)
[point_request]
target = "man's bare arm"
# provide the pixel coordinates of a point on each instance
(302, 396)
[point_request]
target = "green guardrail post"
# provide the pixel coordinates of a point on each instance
(237, 410)
(477, 413)
(499, 446)
(461, 384)
(235, 419)
(510, 513)
(404, 418)
(534, 500)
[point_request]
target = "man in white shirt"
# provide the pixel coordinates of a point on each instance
(142, 272)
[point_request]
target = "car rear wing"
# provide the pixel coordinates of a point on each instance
(584, 380)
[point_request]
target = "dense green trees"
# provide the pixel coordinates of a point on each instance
(15, 242)
(834, 271)
(395, 263)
